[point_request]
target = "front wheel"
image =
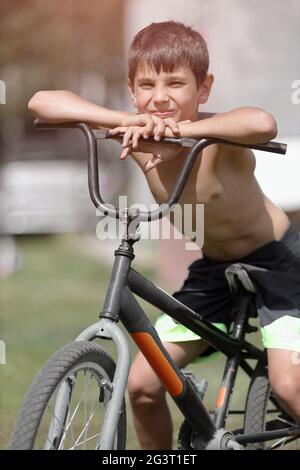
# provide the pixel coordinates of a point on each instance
(66, 404)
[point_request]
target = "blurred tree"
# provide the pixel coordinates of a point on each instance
(66, 34)
(55, 44)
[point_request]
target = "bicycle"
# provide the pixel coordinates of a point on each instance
(58, 413)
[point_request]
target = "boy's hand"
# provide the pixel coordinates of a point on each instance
(153, 125)
(149, 126)
(132, 134)
(160, 153)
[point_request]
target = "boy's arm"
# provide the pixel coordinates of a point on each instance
(242, 125)
(65, 106)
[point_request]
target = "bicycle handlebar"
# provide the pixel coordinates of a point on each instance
(195, 145)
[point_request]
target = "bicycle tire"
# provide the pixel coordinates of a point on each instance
(67, 363)
(256, 404)
(256, 411)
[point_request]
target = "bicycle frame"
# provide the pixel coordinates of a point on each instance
(121, 304)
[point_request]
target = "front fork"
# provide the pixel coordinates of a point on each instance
(108, 330)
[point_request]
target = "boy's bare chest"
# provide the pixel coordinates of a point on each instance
(209, 181)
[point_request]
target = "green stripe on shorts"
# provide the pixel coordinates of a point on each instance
(170, 331)
(283, 333)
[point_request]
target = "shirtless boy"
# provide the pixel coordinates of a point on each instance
(168, 80)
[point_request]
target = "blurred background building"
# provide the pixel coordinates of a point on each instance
(82, 47)
(54, 45)
(43, 177)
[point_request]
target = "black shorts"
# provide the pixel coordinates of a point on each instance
(274, 268)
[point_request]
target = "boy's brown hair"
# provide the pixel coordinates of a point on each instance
(167, 46)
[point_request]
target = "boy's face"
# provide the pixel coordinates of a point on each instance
(169, 94)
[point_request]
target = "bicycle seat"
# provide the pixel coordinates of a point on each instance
(235, 273)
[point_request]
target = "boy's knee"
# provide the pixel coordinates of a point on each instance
(285, 387)
(144, 390)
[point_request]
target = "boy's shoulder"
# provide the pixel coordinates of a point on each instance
(234, 154)
(205, 115)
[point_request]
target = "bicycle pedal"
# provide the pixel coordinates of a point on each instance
(200, 385)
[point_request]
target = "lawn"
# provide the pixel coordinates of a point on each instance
(57, 293)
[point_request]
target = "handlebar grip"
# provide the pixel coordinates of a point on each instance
(270, 146)
(39, 124)
(274, 147)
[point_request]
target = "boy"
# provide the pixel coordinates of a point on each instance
(168, 80)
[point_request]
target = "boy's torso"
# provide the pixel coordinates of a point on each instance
(238, 216)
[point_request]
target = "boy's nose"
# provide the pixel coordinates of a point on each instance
(160, 96)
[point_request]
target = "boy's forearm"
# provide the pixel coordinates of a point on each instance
(64, 106)
(242, 125)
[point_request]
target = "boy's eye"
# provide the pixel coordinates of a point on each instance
(176, 83)
(146, 86)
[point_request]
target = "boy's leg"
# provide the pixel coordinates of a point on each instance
(284, 375)
(151, 415)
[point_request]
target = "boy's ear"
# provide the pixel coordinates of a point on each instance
(131, 92)
(205, 88)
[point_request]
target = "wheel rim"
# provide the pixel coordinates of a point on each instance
(75, 422)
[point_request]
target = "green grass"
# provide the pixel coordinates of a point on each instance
(57, 293)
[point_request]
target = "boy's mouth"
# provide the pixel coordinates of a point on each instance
(163, 113)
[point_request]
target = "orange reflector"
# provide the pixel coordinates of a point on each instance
(221, 397)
